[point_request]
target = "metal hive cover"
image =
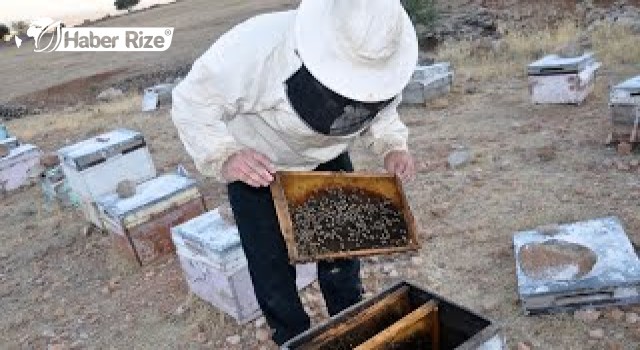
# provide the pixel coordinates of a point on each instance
(209, 233)
(554, 64)
(631, 85)
(147, 194)
(596, 263)
(87, 153)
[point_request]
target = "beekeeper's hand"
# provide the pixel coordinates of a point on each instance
(401, 164)
(250, 167)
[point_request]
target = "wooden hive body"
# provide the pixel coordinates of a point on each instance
(141, 224)
(401, 317)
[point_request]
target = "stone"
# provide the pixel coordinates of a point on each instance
(110, 94)
(49, 160)
(634, 163)
(459, 159)
(261, 322)
(394, 273)
(632, 318)
(126, 189)
(614, 314)
(597, 333)
(624, 148)
(622, 166)
(58, 346)
(234, 339)
(417, 261)
(263, 335)
(523, 346)
(587, 315)
(546, 153)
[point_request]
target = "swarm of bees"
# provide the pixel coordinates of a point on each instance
(339, 219)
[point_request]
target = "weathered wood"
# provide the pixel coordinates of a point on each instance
(422, 323)
(365, 323)
(294, 188)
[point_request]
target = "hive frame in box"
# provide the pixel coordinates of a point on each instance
(17, 167)
(348, 179)
(479, 332)
(215, 266)
(149, 223)
(555, 80)
(94, 167)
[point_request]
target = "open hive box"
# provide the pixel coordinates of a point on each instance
(402, 317)
(327, 215)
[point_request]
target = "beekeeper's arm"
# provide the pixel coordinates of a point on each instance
(387, 137)
(218, 88)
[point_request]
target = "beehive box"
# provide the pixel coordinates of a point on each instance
(584, 264)
(94, 167)
(624, 103)
(558, 80)
(216, 269)
(328, 215)
(17, 166)
(401, 317)
(428, 82)
(141, 224)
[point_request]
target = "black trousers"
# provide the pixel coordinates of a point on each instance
(272, 275)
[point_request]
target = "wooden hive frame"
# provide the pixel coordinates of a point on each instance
(293, 188)
(422, 323)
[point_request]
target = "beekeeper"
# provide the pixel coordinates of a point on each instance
(293, 91)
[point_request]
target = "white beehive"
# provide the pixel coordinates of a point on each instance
(624, 103)
(94, 167)
(428, 82)
(216, 269)
(17, 166)
(558, 80)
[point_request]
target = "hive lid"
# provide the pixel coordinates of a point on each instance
(147, 193)
(20, 150)
(631, 85)
(554, 64)
(431, 71)
(96, 150)
(208, 234)
(616, 263)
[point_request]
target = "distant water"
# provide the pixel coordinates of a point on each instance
(69, 11)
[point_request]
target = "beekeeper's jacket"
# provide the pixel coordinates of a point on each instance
(235, 98)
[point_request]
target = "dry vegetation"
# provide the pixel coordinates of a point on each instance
(613, 45)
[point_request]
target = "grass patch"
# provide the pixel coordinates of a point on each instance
(613, 44)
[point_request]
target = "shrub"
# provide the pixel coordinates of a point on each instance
(4, 30)
(125, 4)
(421, 12)
(20, 26)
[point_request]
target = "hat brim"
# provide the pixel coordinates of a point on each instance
(337, 70)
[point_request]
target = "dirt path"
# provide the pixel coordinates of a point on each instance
(197, 24)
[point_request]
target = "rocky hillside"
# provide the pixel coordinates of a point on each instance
(470, 20)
